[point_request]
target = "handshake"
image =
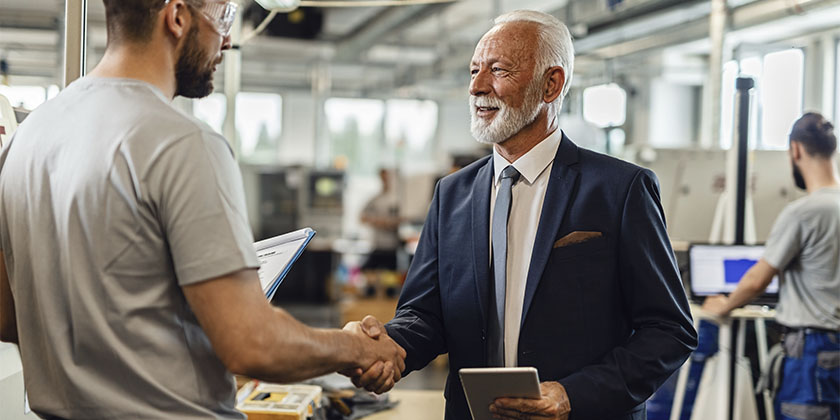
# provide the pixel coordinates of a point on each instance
(381, 361)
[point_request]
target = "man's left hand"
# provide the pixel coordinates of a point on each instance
(553, 404)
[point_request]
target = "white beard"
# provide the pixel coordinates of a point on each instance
(508, 120)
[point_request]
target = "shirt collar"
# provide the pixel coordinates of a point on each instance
(88, 80)
(533, 163)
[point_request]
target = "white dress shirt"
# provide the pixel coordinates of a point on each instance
(528, 195)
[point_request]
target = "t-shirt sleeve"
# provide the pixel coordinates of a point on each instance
(785, 241)
(197, 189)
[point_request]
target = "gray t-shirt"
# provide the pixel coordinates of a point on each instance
(804, 246)
(111, 200)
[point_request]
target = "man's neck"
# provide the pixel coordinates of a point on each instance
(822, 174)
(530, 136)
(136, 62)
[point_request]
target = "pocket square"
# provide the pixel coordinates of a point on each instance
(576, 238)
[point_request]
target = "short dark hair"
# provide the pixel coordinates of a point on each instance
(134, 20)
(816, 134)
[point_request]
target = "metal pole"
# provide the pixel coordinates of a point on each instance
(321, 90)
(711, 94)
(761, 342)
(75, 40)
(724, 369)
(233, 85)
(743, 86)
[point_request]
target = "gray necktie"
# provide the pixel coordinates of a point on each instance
(501, 211)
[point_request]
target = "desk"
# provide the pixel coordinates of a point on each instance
(726, 354)
(414, 405)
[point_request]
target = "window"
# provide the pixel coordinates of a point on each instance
(355, 132)
(211, 110)
(727, 105)
(781, 99)
(410, 127)
(777, 97)
(367, 134)
(605, 105)
(28, 97)
(258, 125)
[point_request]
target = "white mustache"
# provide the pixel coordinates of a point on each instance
(486, 102)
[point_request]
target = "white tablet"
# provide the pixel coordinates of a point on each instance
(483, 385)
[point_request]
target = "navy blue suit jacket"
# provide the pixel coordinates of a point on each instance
(607, 318)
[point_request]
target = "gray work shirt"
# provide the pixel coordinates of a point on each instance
(804, 246)
(111, 200)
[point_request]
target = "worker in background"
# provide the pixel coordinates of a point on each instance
(804, 250)
(132, 282)
(382, 214)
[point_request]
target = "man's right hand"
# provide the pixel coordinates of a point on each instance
(382, 360)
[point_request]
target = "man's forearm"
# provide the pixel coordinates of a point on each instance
(753, 284)
(289, 351)
(253, 338)
(748, 289)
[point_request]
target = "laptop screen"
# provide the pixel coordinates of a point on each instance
(717, 269)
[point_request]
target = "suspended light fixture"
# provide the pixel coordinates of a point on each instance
(288, 5)
(279, 5)
(283, 6)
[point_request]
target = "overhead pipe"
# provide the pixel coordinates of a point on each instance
(382, 25)
(688, 24)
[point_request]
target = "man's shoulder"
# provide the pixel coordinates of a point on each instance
(139, 105)
(592, 161)
(818, 204)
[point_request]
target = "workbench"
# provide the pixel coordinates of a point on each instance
(414, 405)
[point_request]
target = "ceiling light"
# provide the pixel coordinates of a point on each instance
(279, 4)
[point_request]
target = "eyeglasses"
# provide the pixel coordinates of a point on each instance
(220, 14)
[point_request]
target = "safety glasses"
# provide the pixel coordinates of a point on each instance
(220, 14)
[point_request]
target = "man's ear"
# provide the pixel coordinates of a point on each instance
(796, 150)
(555, 81)
(177, 18)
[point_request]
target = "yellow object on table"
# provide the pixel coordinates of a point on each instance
(266, 401)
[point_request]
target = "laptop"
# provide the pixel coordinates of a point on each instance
(717, 269)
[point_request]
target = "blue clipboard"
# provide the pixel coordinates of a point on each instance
(277, 255)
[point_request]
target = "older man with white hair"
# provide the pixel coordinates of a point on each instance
(543, 254)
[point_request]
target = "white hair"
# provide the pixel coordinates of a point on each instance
(555, 45)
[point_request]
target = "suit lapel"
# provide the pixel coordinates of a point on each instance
(481, 234)
(558, 195)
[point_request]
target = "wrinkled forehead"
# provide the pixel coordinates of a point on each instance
(512, 41)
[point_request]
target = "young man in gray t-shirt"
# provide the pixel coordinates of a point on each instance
(804, 251)
(127, 270)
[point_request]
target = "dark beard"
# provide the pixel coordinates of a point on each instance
(798, 179)
(191, 80)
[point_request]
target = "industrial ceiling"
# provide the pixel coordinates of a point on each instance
(424, 49)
